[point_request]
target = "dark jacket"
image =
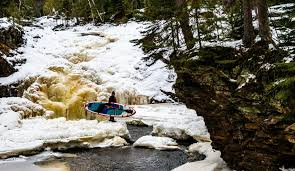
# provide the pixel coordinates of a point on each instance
(112, 99)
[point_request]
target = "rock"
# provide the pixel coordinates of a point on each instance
(5, 68)
(10, 38)
(251, 130)
(290, 133)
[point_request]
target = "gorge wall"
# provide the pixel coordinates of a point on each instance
(247, 100)
(11, 37)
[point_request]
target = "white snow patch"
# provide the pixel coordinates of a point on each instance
(247, 77)
(280, 8)
(279, 81)
(5, 23)
(289, 169)
(267, 66)
(233, 80)
(159, 143)
(288, 59)
(212, 162)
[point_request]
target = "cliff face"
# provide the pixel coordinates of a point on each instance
(11, 37)
(6, 69)
(247, 101)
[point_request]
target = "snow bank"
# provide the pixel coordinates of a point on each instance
(39, 133)
(212, 162)
(13, 109)
(159, 143)
(172, 120)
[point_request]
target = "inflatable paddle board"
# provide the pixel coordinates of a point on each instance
(109, 109)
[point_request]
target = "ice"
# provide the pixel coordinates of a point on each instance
(173, 120)
(9, 120)
(39, 132)
(212, 162)
(13, 109)
(159, 143)
(23, 163)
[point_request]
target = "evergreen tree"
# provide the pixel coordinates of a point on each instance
(264, 30)
(183, 16)
(248, 37)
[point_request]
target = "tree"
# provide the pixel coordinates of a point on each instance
(39, 7)
(248, 37)
(262, 15)
(196, 6)
(186, 29)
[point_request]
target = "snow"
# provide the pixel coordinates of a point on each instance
(38, 132)
(212, 162)
(172, 120)
(281, 8)
(267, 66)
(9, 120)
(111, 55)
(13, 109)
(288, 59)
(289, 169)
(35, 158)
(5, 23)
(159, 143)
(247, 77)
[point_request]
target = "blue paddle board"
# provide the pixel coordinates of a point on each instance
(110, 109)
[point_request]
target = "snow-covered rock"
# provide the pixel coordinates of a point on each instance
(159, 143)
(212, 162)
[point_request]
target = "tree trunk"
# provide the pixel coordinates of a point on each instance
(184, 24)
(198, 28)
(264, 30)
(39, 7)
(248, 37)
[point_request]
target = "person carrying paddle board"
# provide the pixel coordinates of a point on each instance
(112, 99)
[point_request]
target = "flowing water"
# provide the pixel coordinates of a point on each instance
(121, 158)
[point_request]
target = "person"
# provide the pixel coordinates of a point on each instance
(112, 99)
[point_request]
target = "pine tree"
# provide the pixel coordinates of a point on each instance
(264, 29)
(39, 7)
(183, 17)
(248, 37)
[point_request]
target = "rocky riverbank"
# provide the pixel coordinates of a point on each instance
(247, 100)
